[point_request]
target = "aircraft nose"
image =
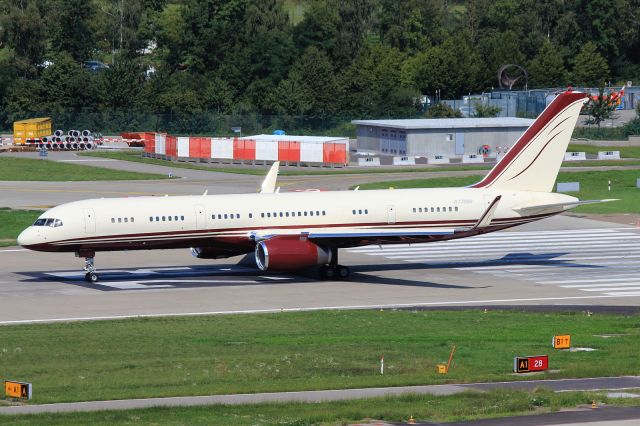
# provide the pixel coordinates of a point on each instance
(28, 237)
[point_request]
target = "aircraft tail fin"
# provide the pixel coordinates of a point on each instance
(532, 164)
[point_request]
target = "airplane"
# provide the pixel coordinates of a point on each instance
(299, 230)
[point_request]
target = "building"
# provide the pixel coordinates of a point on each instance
(449, 137)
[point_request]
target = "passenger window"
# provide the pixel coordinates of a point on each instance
(131, 220)
(119, 220)
(414, 209)
(237, 215)
(287, 214)
(305, 213)
(450, 209)
(268, 214)
(250, 215)
(317, 212)
(174, 218)
(324, 213)
(456, 208)
(113, 220)
(299, 213)
(431, 209)
(359, 211)
(126, 220)
(353, 211)
(219, 216)
(213, 216)
(420, 209)
(169, 218)
(157, 218)
(182, 217)
(163, 218)
(311, 213)
(225, 215)
(366, 212)
(438, 209)
(150, 219)
(261, 214)
(280, 214)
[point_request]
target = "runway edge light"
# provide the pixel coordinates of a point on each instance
(18, 390)
(562, 341)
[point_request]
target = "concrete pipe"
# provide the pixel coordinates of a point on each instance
(58, 133)
(48, 146)
(86, 133)
(89, 145)
(74, 146)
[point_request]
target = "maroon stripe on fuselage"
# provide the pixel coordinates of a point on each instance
(557, 106)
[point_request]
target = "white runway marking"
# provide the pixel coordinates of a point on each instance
(12, 250)
(590, 260)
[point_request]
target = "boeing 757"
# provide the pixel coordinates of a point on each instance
(297, 230)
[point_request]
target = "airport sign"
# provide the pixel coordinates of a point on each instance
(527, 364)
(562, 341)
(19, 390)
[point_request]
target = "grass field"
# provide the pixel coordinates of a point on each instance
(136, 157)
(29, 169)
(625, 151)
(593, 186)
(301, 351)
(467, 406)
(12, 222)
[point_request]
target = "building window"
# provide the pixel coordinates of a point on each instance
(449, 137)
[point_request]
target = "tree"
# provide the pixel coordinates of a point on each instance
(442, 110)
(69, 28)
(590, 68)
(486, 110)
(547, 68)
(22, 29)
(600, 107)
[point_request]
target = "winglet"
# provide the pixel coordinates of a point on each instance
(487, 216)
(269, 183)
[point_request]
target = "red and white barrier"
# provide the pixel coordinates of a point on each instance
(294, 149)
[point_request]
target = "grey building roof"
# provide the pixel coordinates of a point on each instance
(447, 123)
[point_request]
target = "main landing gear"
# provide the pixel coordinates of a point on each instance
(90, 276)
(333, 271)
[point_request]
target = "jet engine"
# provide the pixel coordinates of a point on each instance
(290, 254)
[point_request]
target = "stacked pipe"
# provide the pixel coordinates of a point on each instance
(73, 140)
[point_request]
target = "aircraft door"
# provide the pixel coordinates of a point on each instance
(459, 143)
(391, 214)
(89, 221)
(200, 217)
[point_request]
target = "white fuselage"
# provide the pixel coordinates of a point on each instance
(236, 220)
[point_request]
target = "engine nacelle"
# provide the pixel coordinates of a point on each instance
(212, 253)
(290, 254)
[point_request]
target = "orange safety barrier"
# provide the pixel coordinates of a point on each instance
(244, 149)
(289, 151)
(149, 142)
(199, 147)
(335, 153)
(171, 146)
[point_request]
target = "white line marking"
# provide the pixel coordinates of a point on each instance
(632, 278)
(636, 287)
(311, 309)
(12, 250)
(624, 293)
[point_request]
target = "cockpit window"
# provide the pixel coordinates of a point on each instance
(53, 223)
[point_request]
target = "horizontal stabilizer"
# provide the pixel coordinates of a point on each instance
(558, 206)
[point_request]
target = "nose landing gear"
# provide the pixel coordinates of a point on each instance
(90, 276)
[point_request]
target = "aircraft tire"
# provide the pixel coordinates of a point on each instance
(91, 277)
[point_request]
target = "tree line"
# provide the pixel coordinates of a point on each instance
(183, 64)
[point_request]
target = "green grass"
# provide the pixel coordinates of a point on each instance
(461, 407)
(135, 156)
(593, 186)
(12, 222)
(140, 358)
(30, 169)
(625, 151)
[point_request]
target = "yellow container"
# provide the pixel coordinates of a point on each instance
(442, 368)
(33, 128)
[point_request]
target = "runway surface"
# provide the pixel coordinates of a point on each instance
(558, 261)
